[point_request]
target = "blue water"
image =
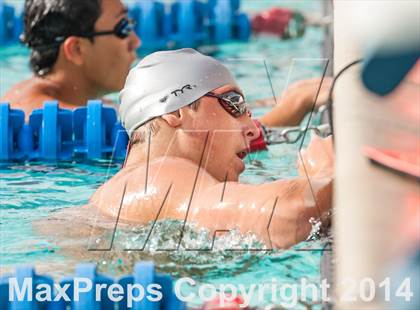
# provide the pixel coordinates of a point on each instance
(35, 191)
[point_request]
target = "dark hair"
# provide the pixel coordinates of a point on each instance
(45, 20)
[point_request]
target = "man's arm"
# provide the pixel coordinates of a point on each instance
(296, 102)
(278, 212)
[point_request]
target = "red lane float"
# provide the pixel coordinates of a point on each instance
(281, 22)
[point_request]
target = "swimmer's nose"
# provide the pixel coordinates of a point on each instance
(252, 132)
(135, 41)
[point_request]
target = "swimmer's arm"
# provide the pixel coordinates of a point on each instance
(287, 112)
(317, 160)
(278, 212)
(296, 102)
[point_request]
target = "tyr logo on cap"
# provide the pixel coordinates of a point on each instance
(185, 87)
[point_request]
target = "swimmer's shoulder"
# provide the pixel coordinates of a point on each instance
(166, 166)
(161, 172)
(27, 96)
(176, 175)
(19, 92)
(31, 94)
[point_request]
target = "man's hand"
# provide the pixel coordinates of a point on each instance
(297, 101)
(317, 160)
(306, 90)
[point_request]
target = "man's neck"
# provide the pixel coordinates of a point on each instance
(140, 154)
(68, 88)
(165, 144)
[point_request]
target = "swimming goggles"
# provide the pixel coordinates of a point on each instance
(121, 30)
(233, 102)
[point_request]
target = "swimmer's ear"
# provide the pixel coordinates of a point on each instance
(74, 49)
(173, 119)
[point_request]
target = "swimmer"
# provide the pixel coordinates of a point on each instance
(80, 50)
(193, 112)
(72, 63)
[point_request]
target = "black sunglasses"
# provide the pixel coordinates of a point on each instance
(233, 102)
(121, 30)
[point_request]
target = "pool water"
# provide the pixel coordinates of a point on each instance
(33, 193)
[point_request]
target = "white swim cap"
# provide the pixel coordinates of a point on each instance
(164, 82)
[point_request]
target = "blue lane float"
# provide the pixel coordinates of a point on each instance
(11, 133)
(93, 130)
(227, 22)
(153, 24)
(189, 23)
(54, 134)
(144, 274)
(11, 24)
(183, 23)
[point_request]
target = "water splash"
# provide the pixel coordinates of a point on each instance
(176, 251)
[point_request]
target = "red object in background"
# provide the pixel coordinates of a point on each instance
(259, 143)
(273, 21)
(216, 304)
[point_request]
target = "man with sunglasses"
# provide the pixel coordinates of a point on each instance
(80, 50)
(190, 130)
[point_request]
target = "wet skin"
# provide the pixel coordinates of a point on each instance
(82, 70)
(183, 182)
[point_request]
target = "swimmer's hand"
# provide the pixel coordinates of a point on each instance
(317, 160)
(306, 91)
(296, 102)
